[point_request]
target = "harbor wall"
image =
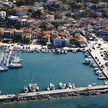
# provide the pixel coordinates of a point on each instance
(82, 91)
(98, 64)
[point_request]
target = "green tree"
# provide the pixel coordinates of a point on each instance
(55, 24)
(74, 42)
(37, 14)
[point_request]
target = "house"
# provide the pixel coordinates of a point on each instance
(54, 3)
(90, 5)
(64, 6)
(26, 37)
(9, 33)
(60, 21)
(20, 11)
(49, 26)
(2, 14)
(45, 37)
(54, 32)
(50, 17)
(80, 40)
(1, 31)
(60, 42)
(103, 32)
(23, 22)
(63, 13)
(18, 32)
(35, 32)
(57, 41)
(102, 5)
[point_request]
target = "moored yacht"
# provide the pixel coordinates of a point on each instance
(36, 87)
(32, 87)
(62, 86)
(3, 68)
(25, 89)
(15, 65)
(51, 86)
(87, 61)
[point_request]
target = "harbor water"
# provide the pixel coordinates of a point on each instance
(44, 68)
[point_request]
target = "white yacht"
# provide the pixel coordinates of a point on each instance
(36, 87)
(87, 61)
(32, 87)
(62, 86)
(3, 68)
(51, 86)
(25, 89)
(15, 65)
(15, 59)
(69, 86)
(48, 89)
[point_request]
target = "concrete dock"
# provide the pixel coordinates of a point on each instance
(96, 55)
(93, 90)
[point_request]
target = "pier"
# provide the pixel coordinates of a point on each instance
(99, 60)
(82, 91)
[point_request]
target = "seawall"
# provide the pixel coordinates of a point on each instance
(82, 91)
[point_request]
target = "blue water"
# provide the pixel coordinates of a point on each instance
(45, 68)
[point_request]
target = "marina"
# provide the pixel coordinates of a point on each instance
(64, 72)
(34, 92)
(9, 59)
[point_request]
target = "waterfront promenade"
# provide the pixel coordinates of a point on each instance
(96, 53)
(93, 90)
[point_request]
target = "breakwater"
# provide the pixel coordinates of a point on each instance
(82, 91)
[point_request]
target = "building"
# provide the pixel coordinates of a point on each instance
(49, 17)
(26, 37)
(20, 11)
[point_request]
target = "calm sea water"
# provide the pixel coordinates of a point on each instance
(42, 69)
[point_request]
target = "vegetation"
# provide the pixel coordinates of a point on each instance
(37, 14)
(55, 24)
(24, 2)
(74, 42)
(17, 38)
(42, 26)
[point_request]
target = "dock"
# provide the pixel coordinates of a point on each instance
(82, 91)
(96, 54)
